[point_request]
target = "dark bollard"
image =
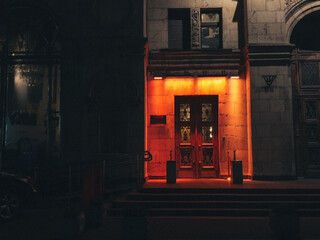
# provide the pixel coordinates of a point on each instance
(237, 172)
(237, 175)
(171, 172)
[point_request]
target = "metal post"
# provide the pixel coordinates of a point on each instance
(49, 115)
(138, 169)
(229, 164)
(69, 185)
(103, 173)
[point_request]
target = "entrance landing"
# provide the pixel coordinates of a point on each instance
(222, 183)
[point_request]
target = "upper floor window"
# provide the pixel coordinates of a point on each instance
(194, 29)
(179, 28)
(211, 28)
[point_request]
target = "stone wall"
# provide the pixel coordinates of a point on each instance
(266, 21)
(157, 20)
(272, 112)
(272, 125)
(232, 119)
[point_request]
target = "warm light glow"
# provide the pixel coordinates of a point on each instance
(157, 78)
(236, 95)
(232, 122)
(249, 124)
(20, 86)
(196, 86)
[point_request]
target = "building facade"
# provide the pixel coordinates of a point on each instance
(72, 81)
(196, 81)
(262, 102)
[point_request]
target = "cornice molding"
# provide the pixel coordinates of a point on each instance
(289, 3)
(270, 54)
(195, 63)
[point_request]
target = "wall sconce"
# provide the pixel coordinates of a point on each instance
(269, 79)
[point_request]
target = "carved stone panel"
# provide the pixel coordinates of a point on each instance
(195, 28)
(289, 3)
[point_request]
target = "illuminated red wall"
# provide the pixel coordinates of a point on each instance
(233, 118)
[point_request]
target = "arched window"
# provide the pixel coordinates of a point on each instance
(305, 34)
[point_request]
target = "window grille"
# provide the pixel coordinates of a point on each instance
(310, 74)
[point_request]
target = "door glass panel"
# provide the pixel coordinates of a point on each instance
(185, 134)
(206, 112)
(186, 157)
(310, 73)
(207, 134)
(314, 156)
(312, 132)
(311, 110)
(185, 112)
(207, 154)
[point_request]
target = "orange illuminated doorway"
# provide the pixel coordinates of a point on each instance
(196, 136)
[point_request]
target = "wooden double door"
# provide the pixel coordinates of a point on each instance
(196, 136)
(306, 106)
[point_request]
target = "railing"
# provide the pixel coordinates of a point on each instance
(105, 172)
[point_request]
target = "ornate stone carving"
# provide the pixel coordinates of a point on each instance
(291, 2)
(195, 28)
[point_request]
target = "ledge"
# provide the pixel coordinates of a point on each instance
(224, 62)
(270, 54)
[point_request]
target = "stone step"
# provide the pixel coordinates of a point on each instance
(223, 196)
(218, 204)
(197, 212)
(199, 61)
(239, 190)
(210, 212)
(228, 202)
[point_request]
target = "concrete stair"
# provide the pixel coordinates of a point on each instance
(217, 213)
(208, 202)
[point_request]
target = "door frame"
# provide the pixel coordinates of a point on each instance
(301, 95)
(196, 146)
